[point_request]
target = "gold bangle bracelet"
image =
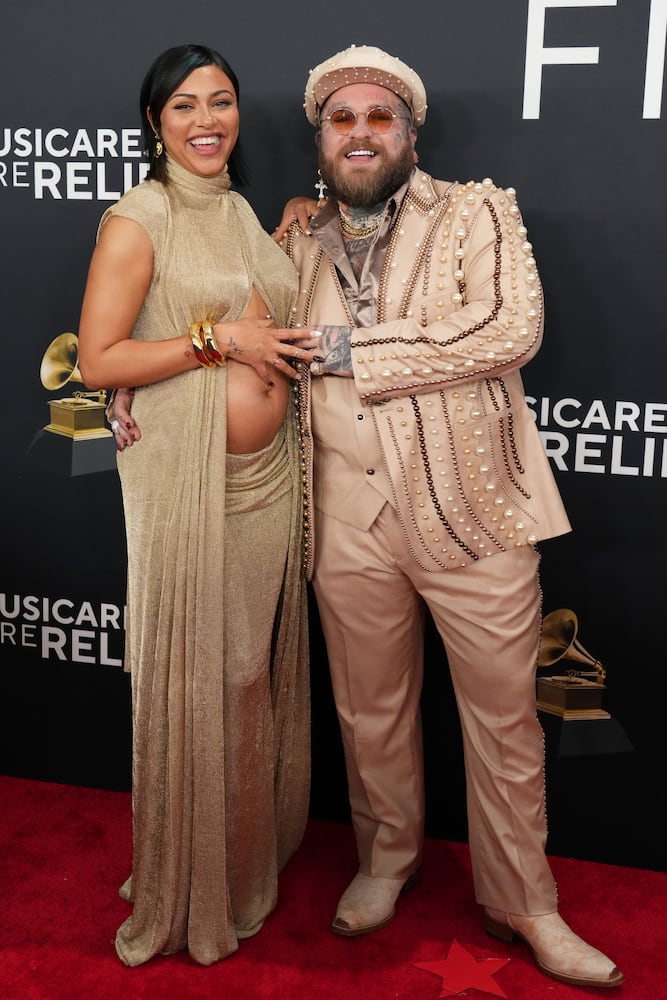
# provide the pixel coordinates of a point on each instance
(198, 346)
(211, 348)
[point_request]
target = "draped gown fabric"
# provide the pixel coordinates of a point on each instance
(217, 629)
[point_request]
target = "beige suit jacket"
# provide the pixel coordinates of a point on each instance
(435, 421)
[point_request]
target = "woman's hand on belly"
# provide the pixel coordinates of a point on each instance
(259, 344)
(255, 341)
(255, 411)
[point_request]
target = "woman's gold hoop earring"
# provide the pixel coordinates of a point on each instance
(159, 148)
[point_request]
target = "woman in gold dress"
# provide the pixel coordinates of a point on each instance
(188, 300)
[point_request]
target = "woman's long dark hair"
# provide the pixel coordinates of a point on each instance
(163, 78)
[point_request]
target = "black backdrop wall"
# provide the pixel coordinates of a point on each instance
(562, 100)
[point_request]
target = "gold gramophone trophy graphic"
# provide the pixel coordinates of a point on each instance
(75, 441)
(575, 694)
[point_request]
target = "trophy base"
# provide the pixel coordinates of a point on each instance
(72, 456)
(571, 697)
(582, 737)
(78, 416)
(571, 714)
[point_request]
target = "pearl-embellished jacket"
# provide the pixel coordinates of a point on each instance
(435, 421)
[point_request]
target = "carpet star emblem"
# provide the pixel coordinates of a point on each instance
(461, 971)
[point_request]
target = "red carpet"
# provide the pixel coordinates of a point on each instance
(64, 851)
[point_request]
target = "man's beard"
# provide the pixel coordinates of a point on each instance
(366, 189)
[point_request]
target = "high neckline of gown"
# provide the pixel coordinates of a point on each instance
(184, 179)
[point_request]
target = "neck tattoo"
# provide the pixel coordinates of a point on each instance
(358, 223)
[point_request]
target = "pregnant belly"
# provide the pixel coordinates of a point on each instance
(254, 411)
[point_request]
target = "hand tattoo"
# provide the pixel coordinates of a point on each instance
(334, 345)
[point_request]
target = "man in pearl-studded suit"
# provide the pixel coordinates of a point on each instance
(430, 487)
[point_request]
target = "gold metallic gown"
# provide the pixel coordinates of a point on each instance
(217, 631)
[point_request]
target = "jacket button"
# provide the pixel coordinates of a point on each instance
(370, 472)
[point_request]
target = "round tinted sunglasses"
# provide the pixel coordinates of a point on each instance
(343, 120)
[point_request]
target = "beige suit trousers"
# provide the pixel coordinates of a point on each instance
(370, 590)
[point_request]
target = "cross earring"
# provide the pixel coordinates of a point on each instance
(320, 187)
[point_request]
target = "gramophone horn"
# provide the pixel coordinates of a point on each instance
(559, 641)
(59, 364)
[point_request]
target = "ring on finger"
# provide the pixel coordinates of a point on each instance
(115, 424)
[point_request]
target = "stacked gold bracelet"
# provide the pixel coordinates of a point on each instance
(206, 350)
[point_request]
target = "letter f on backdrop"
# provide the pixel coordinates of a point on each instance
(538, 56)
